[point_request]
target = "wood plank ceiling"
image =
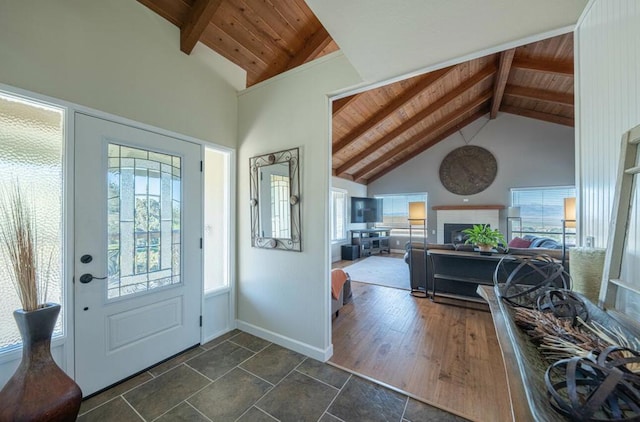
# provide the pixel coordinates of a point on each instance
(263, 37)
(376, 131)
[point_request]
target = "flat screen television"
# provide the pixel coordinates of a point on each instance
(366, 210)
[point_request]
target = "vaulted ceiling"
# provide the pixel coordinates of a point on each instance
(378, 130)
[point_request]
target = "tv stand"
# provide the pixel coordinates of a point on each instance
(371, 241)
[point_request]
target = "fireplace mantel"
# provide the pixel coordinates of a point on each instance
(467, 207)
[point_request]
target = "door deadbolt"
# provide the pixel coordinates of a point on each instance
(85, 259)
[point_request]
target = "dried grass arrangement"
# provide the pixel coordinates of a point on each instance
(559, 338)
(18, 241)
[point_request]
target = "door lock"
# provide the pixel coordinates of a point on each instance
(85, 259)
(86, 278)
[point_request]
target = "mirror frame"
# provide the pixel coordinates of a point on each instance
(290, 156)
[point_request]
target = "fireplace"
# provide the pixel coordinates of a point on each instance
(453, 232)
(465, 216)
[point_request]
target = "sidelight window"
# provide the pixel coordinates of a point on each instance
(31, 155)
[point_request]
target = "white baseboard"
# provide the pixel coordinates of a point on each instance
(289, 343)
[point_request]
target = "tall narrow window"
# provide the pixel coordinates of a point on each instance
(338, 215)
(31, 150)
(216, 219)
(542, 211)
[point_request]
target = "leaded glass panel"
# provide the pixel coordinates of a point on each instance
(144, 222)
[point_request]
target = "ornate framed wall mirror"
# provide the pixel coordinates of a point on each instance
(275, 200)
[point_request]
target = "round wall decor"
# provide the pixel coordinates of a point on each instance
(468, 170)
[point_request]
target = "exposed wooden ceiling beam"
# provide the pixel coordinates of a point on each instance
(506, 58)
(343, 103)
(314, 45)
(424, 135)
(540, 95)
(197, 21)
(432, 108)
(567, 121)
(545, 66)
(387, 111)
(444, 135)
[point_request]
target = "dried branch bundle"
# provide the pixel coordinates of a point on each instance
(560, 339)
(19, 244)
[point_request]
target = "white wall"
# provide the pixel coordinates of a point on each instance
(279, 292)
(353, 189)
(120, 57)
(608, 93)
(529, 153)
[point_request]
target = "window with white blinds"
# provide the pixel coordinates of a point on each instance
(542, 211)
(395, 209)
(338, 215)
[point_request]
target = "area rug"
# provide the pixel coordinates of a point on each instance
(384, 271)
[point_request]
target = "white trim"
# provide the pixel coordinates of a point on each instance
(289, 343)
(585, 12)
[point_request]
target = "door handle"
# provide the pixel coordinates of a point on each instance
(86, 278)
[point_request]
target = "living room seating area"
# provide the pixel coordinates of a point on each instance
(463, 282)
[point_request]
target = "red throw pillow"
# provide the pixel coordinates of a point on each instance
(518, 242)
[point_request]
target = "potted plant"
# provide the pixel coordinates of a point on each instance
(484, 237)
(39, 389)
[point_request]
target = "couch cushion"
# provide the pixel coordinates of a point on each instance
(545, 242)
(518, 242)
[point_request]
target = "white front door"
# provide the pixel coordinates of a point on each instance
(138, 263)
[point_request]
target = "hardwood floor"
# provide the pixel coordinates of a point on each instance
(445, 355)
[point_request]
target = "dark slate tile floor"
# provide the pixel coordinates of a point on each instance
(240, 377)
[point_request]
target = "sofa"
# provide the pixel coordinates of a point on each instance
(420, 271)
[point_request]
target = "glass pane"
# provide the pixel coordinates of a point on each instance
(280, 208)
(395, 209)
(146, 254)
(31, 146)
(542, 211)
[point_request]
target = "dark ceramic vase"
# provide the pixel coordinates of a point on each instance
(39, 390)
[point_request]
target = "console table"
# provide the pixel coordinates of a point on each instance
(371, 241)
(462, 271)
(459, 273)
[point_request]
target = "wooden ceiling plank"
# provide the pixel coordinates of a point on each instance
(541, 95)
(391, 108)
(264, 32)
(217, 40)
(314, 45)
(564, 68)
(567, 121)
(435, 141)
(201, 14)
(271, 17)
(343, 103)
(424, 134)
(506, 58)
(291, 13)
(432, 108)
